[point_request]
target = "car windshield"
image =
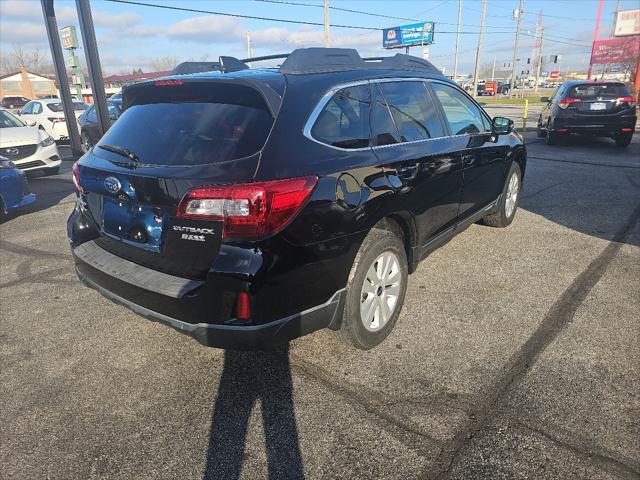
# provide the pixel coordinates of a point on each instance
(57, 107)
(8, 121)
(192, 124)
(599, 90)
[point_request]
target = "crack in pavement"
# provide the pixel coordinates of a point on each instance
(554, 322)
(31, 252)
(400, 423)
(606, 460)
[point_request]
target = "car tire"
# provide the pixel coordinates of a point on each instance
(551, 138)
(509, 200)
(623, 139)
(51, 170)
(85, 142)
(376, 290)
(539, 130)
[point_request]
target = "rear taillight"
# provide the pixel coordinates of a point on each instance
(251, 209)
(630, 100)
(565, 102)
(76, 178)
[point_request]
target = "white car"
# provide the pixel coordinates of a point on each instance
(29, 148)
(48, 114)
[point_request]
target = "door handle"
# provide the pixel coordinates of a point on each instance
(468, 160)
(409, 172)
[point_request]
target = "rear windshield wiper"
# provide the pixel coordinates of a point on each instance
(123, 152)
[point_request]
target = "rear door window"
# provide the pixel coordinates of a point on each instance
(599, 91)
(414, 113)
(463, 115)
(344, 121)
(192, 123)
(37, 108)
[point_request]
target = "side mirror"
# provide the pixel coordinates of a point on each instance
(502, 125)
(545, 99)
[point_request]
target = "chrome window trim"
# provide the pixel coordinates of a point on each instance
(306, 131)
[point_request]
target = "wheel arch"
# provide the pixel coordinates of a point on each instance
(402, 224)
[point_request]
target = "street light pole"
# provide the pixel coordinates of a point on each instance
(477, 69)
(326, 24)
(455, 61)
(61, 75)
(515, 49)
(93, 63)
(540, 51)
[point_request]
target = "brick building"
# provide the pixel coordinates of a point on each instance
(26, 84)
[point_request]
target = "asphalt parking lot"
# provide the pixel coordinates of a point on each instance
(516, 356)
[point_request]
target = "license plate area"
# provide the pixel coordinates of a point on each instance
(598, 106)
(132, 223)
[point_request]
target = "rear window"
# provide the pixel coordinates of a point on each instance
(191, 123)
(601, 90)
(57, 107)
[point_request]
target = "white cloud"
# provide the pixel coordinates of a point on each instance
(31, 11)
(207, 29)
(117, 22)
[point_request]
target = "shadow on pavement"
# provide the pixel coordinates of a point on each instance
(49, 191)
(248, 378)
(586, 184)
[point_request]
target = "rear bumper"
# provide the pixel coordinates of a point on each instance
(250, 337)
(605, 125)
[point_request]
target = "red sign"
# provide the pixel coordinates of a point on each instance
(554, 75)
(616, 50)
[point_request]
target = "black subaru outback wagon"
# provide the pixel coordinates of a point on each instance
(248, 207)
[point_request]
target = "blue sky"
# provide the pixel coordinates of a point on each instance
(132, 36)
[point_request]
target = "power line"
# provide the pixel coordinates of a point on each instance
(238, 15)
(339, 9)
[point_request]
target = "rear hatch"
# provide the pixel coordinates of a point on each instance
(173, 135)
(600, 99)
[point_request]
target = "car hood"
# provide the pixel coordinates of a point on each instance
(14, 136)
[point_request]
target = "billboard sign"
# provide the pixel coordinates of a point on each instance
(408, 35)
(554, 75)
(69, 38)
(616, 50)
(627, 23)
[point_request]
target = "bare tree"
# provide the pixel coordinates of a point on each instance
(33, 60)
(164, 63)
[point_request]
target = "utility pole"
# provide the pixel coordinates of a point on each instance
(493, 69)
(515, 49)
(327, 42)
(595, 38)
(540, 50)
(615, 17)
(249, 49)
(477, 69)
(455, 61)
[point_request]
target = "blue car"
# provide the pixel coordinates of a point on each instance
(14, 189)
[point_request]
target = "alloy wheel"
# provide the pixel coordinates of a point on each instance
(512, 195)
(380, 291)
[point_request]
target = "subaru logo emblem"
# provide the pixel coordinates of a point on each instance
(12, 151)
(112, 184)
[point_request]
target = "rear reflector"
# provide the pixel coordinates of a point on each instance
(627, 129)
(562, 130)
(249, 210)
(243, 311)
(565, 102)
(167, 83)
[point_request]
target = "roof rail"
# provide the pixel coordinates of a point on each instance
(314, 60)
(321, 60)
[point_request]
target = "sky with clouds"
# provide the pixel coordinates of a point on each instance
(131, 36)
